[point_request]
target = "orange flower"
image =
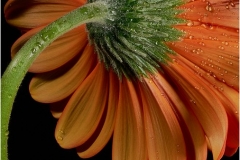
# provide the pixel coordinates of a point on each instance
(191, 105)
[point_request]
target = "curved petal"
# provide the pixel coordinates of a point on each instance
(31, 14)
(213, 12)
(203, 102)
(128, 137)
(96, 144)
(229, 97)
(65, 83)
(208, 32)
(218, 60)
(163, 133)
(57, 53)
(192, 131)
(84, 110)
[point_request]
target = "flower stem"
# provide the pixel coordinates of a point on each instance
(18, 67)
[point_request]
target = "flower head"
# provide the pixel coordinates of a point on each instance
(161, 77)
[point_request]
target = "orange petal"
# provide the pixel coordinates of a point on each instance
(31, 14)
(128, 138)
(62, 83)
(56, 54)
(163, 133)
(229, 99)
(208, 32)
(214, 12)
(203, 102)
(84, 110)
(96, 144)
(192, 131)
(219, 60)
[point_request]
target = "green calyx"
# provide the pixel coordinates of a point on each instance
(132, 41)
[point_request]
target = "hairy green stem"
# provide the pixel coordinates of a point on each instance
(17, 69)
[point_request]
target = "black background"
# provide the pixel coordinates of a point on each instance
(32, 126)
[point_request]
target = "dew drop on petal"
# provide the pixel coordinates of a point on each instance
(190, 23)
(197, 88)
(192, 101)
(209, 8)
(221, 89)
(61, 131)
(221, 47)
(225, 43)
(190, 37)
(60, 138)
(232, 4)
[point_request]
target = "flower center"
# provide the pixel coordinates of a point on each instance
(132, 41)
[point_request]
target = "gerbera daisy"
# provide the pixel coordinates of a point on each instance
(160, 77)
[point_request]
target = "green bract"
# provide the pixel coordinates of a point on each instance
(133, 38)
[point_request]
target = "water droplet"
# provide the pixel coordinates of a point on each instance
(192, 101)
(209, 8)
(9, 96)
(229, 62)
(209, 60)
(44, 37)
(232, 4)
(61, 131)
(60, 138)
(225, 43)
(34, 50)
(6, 133)
(221, 89)
(190, 23)
(221, 47)
(197, 88)
(190, 37)
(202, 43)
(227, 7)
